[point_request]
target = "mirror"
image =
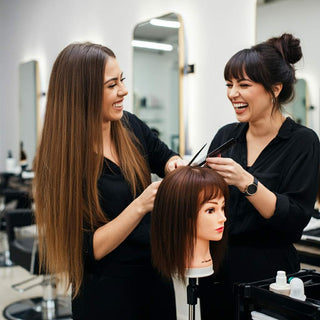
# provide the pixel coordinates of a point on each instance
(29, 108)
(158, 67)
(298, 107)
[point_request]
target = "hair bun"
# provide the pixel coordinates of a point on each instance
(288, 46)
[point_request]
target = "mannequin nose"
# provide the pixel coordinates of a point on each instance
(222, 216)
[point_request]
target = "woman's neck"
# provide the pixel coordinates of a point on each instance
(109, 150)
(266, 127)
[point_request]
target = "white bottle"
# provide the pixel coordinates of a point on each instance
(280, 286)
(10, 163)
(297, 289)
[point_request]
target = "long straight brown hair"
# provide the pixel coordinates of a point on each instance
(69, 160)
(174, 218)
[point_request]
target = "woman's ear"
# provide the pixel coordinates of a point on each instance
(277, 89)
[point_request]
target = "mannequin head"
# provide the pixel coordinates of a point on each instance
(188, 211)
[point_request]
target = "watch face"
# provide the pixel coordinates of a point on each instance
(252, 189)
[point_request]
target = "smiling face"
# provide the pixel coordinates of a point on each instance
(250, 100)
(114, 91)
(211, 219)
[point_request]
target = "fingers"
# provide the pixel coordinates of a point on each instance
(226, 167)
(174, 163)
(219, 161)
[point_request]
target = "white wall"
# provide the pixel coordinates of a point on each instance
(40, 29)
(302, 19)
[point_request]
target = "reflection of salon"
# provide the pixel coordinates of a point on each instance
(172, 55)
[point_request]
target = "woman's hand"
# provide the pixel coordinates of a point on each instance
(263, 200)
(112, 234)
(231, 171)
(174, 163)
(146, 199)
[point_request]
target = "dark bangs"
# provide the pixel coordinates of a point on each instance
(248, 62)
(213, 186)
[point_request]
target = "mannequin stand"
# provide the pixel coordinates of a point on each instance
(192, 297)
(193, 287)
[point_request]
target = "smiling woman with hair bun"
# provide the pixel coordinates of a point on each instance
(272, 173)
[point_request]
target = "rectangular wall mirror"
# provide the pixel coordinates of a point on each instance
(28, 108)
(157, 77)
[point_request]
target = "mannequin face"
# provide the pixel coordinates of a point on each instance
(211, 219)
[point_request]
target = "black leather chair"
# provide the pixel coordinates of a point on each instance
(24, 252)
(9, 195)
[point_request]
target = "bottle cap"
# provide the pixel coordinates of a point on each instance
(281, 278)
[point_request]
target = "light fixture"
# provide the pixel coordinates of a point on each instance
(165, 23)
(152, 45)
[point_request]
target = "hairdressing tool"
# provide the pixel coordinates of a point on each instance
(191, 161)
(224, 147)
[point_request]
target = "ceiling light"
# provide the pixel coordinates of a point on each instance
(152, 45)
(165, 23)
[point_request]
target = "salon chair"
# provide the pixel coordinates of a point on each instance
(9, 196)
(24, 252)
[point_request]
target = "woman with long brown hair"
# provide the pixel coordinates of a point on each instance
(187, 222)
(93, 191)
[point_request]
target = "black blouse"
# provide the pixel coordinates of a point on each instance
(288, 166)
(115, 196)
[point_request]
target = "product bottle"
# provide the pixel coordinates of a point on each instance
(10, 163)
(23, 158)
(280, 286)
(297, 289)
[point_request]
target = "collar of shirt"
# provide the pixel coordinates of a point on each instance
(284, 131)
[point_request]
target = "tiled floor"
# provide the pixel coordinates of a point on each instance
(16, 274)
(9, 276)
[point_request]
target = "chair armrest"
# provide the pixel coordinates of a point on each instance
(17, 218)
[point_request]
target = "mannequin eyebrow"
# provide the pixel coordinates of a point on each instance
(114, 78)
(215, 202)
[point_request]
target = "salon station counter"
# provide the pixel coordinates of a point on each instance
(309, 245)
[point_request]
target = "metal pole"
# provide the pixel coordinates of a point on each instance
(192, 297)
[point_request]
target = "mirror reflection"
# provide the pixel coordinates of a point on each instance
(297, 108)
(156, 77)
(28, 111)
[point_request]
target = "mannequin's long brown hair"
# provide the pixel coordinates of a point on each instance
(69, 160)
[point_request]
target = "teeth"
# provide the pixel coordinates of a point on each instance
(117, 105)
(240, 105)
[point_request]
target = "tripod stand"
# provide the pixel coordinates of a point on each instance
(192, 297)
(193, 287)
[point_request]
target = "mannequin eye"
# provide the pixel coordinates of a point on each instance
(210, 210)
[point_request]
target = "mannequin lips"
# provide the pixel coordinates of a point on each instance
(220, 229)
